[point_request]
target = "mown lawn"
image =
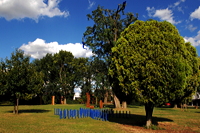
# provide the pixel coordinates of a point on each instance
(41, 119)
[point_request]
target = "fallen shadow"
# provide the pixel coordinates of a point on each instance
(132, 106)
(6, 105)
(197, 112)
(136, 120)
(112, 106)
(31, 111)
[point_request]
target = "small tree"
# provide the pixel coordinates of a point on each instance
(22, 79)
(154, 64)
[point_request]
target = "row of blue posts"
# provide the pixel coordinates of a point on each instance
(97, 114)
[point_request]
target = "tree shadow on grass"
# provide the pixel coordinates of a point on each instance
(31, 111)
(112, 106)
(136, 120)
(6, 105)
(132, 106)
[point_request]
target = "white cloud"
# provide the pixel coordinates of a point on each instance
(39, 48)
(178, 2)
(150, 11)
(33, 9)
(177, 5)
(162, 14)
(191, 27)
(91, 4)
(195, 41)
(195, 14)
(180, 9)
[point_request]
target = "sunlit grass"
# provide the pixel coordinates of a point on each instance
(41, 118)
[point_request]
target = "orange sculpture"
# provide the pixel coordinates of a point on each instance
(100, 104)
(88, 99)
(53, 100)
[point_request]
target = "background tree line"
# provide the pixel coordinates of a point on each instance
(54, 74)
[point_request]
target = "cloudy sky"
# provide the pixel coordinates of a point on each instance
(47, 26)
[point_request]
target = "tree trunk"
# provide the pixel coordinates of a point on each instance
(149, 111)
(15, 108)
(106, 97)
(16, 104)
(96, 100)
(117, 102)
(65, 100)
(88, 99)
(124, 104)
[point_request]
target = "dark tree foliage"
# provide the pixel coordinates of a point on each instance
(102, 36)
(21, 80)
(108, 24)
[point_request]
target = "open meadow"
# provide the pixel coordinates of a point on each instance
(41, 118)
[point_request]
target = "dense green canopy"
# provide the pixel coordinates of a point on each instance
(153, 63)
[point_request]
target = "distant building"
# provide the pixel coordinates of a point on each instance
(196, 96)
(76, 95)
(196, 99)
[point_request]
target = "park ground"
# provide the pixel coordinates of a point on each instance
(41, 118)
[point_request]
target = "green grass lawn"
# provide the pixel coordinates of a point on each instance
(41, 118)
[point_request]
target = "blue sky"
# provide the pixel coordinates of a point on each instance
(47, 26)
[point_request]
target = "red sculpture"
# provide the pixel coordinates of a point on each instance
(88, 100)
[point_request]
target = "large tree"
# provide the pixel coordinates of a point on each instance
(153, 63)
(102, 36)
(101, 85)
(47, 66)
(22, 81)
(63, 61)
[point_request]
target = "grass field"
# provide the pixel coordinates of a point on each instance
(41, 119)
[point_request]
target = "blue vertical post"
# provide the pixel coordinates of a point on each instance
(60, 114)
(92, 113)
(64, 114)
(98, 114)
(106, 116)
(80, 113)
(103, 117)
(74, 112)
(68, 114)
(71, 115)
(58, 111)
(84, 114)
(88, 112)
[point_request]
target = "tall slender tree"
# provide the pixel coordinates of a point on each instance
(63, 61)
(102, 36)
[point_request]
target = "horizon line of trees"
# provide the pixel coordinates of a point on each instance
(55, 74)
